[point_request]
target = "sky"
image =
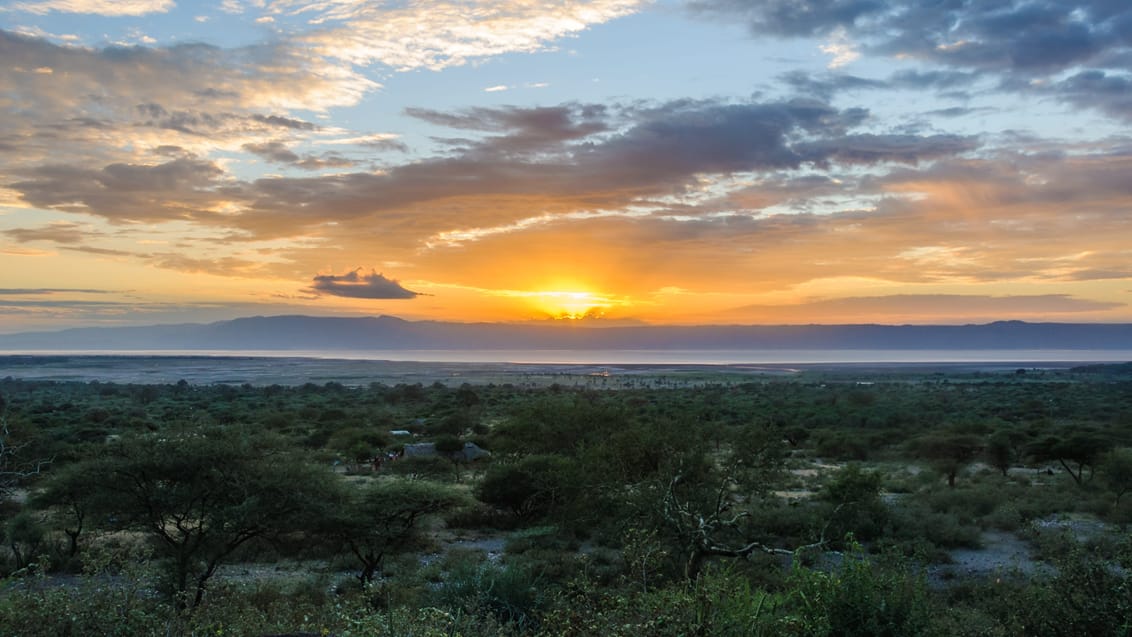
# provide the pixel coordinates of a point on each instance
(602, 162)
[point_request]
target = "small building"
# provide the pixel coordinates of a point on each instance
(469, 453)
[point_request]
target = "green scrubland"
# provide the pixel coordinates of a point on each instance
(834, 503)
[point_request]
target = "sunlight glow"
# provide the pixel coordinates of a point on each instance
(571, 305)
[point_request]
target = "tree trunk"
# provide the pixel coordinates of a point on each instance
(371, 563)
(19, 556)
(694, 565)
(181, 581)
(1077, 476)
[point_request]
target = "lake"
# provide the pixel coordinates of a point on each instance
(570, 367)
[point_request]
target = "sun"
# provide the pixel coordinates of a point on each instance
(572, 305)
(567, 299)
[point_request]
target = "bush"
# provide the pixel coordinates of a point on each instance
(511, 594)
(861, 597)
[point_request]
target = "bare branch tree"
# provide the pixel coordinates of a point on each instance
(13, 472)
(716, 531)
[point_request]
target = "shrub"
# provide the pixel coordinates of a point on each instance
(861, 597)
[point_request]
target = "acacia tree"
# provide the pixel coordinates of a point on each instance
(386, 517)
(853, 494)
(1077, 452)
(1116, 467)
(1000, 452)
(948, 451)
(201, 496)
(67, 492)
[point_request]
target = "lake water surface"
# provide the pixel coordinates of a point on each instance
(513, 366)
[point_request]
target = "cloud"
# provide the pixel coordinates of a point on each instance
(58, 232)
(47, 291)
(794, 17)
(273, 151)
(560, 160)
(196, 96)
(1106, 91)
(577, 157)
(222, 266)
(358, 286)
(840, 49)
(178, 189)
(375, 141)
(1017, 41)
(110, 8)
(285, 122)
(1018, 35)
(445, 33)
(826, 86)
(868, 148)
(766, 190)
(324, 161)
(278, 152)
(524, 129)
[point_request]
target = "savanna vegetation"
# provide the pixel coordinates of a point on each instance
(814, 504)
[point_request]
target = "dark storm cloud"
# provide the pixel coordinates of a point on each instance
(358, 286)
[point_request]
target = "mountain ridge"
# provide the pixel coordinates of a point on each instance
(384, 332)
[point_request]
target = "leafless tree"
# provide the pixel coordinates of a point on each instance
(14, 470)
(716, 526)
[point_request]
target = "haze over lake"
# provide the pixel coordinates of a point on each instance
(585, 367)
(637, 357)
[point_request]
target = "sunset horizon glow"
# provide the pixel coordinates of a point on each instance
(588, 162)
